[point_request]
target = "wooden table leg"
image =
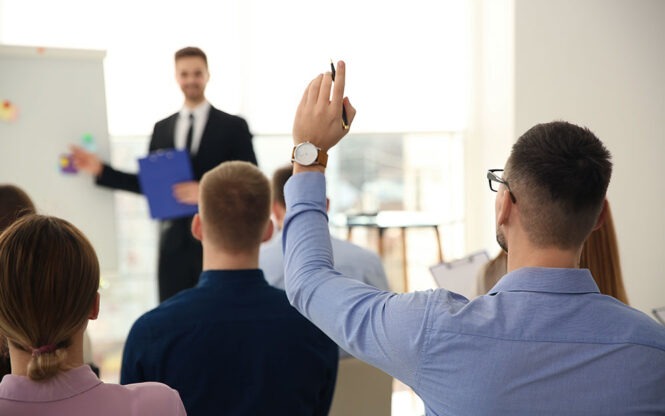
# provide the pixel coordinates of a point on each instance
(438, 243)
(380, 242)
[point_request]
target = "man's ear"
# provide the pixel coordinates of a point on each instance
(196, 227)
(504, 208)
(602, 217)
(279, 212)
(94, 312)
(270, 228)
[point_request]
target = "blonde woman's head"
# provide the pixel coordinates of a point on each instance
(49, 276)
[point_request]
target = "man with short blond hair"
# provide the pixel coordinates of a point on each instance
(233, 345)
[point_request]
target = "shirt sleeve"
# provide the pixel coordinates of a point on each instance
(385, 329)
(376, 275)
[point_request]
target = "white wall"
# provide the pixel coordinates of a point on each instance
(601, 63)
(491, 131)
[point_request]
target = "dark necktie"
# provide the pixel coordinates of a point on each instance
(190, 134)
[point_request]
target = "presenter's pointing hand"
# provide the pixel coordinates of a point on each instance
(86, 161)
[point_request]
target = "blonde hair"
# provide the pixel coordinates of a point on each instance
(49, 276)
(600, 254)
(235, 206)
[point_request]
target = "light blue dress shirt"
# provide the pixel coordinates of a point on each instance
(542, 342)
(351, 260)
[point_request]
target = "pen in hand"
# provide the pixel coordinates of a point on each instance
(345, 121)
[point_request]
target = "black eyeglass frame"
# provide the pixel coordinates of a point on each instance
(493, 177)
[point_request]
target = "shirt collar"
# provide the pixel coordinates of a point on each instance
(230, 278)
(552, 280)
(200, 111)
(64, 385)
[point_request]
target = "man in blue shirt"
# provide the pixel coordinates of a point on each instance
(233, 345)
(543, 341)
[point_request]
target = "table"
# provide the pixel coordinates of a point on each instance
(384, 220)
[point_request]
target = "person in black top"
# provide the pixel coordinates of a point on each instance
(233, 345)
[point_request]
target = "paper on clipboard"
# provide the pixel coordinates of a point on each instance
(459, 276)
(158, 172)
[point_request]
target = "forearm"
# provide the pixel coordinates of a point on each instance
(381, 328)
(363, 320)
(115, 179)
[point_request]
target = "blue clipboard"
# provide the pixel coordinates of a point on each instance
(158, 172)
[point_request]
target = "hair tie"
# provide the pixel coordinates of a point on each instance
(45, 349)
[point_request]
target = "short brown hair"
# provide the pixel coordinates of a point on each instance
(279, 178)
(49, 277)
(235, 206)
(14, 203)
(190, 51)
(559, 173)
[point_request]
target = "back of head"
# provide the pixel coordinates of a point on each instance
(191, 51)
(14, 203)
(600, 254)
(235, 206)
(279, 179)
(49, 276)
(559, 173)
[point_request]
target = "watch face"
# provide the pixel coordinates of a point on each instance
(306, 154)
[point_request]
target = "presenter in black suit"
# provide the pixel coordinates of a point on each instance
(211, 136)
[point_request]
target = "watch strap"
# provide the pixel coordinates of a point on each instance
(321, 156)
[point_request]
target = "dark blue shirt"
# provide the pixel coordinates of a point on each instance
(233, 345)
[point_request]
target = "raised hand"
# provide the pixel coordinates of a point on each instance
(318, 117)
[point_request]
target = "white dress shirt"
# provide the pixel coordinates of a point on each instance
(200, 113)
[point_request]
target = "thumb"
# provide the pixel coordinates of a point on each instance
(350, 110)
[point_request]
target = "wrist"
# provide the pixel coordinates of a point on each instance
(297, 168)
(308, 154)
(98, 169)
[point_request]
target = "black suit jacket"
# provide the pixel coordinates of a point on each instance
(225, 137)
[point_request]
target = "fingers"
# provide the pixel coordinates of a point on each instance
(338, 89)
(313, 90)
(77, 151)
(324, 114)
(186, 192)
(324, 90)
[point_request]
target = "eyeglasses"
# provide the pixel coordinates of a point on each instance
(494, 181)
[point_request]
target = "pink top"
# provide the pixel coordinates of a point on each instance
(80, 392)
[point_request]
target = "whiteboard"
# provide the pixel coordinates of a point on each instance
(59, 97)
